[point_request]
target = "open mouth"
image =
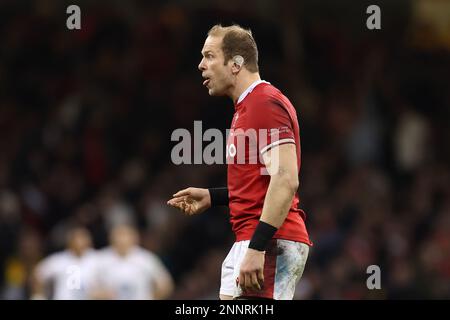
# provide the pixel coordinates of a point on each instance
(206, 81)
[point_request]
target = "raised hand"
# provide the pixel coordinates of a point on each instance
(191, 200)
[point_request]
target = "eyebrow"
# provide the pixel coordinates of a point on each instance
(206, 51)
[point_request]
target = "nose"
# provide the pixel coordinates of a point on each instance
(201, 65)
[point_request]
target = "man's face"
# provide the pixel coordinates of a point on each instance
(79, 240)
(123, 238)
(217, 76)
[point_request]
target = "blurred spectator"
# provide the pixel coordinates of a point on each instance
(127, 272)
(69, 274)
(19, 266)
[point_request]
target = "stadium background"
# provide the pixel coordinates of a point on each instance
(86, 118)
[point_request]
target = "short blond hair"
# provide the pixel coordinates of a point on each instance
(237, 41)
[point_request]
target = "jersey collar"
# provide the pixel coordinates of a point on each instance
(250, 89)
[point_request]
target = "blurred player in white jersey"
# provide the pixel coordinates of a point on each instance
(129, 272)
(68, 274)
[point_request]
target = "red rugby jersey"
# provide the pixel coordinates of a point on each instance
(263, 119)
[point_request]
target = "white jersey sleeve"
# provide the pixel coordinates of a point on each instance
(47, 269)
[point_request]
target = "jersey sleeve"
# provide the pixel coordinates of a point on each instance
(47, 268)
(155, 268)
(273, 124)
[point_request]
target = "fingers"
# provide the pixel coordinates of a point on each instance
(183, 204)
(241, 282)
(260, 276)
(186, 201)
(254, 281)
(176, 201)
(250, 281)
(247, 282)
(183, 207)
(179, 199)
(184, 192)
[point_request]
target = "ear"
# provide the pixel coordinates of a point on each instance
(235, 68)
(237, 63)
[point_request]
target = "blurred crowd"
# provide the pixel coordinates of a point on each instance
(86, 118)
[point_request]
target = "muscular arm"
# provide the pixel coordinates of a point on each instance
(164, 284)
(37, 286)
(42, 276)
(281, 163)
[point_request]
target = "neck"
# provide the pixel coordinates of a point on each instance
(243, 83)
(123, 251)
(77, 252)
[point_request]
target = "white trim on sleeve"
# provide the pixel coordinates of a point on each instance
(277, 143)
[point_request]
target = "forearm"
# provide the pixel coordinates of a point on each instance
(164, 286)
(278, 201)
(280, 193)
(37, 288)
(163, 292)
